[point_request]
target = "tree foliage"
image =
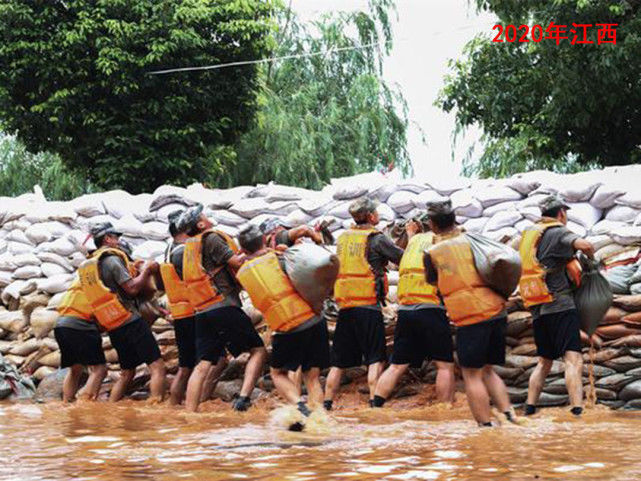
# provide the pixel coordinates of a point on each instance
(326, 115)
(75, 81)
(543, 105)
(20, 170)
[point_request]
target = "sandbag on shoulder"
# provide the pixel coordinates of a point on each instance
(498, 264)
(313, 271)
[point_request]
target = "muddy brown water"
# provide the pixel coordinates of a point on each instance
(136, 441)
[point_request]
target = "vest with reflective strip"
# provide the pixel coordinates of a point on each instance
(356, 283)
(106, 307)
(467, 298)
(273, 294)
(178, 299)
(74, 303)
(199, 283)
(412, 286)
(532, 286)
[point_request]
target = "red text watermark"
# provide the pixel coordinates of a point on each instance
(576, 33)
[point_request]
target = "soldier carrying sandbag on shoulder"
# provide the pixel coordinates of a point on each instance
(113, 286)
(550, 268)
(278, 234)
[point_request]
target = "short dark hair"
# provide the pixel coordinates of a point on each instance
(443, 221)
(173, 230)
(99, 241)
(553, 212)
(193, 231)
(251, 239)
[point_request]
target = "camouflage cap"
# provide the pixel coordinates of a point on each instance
(552, 202)
(189, 218)
(173, 218)
(363, 206)
(101, 229)
(441, 207)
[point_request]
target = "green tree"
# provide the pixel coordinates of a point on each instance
(20, 170)
(328, 114)
(74, 80)
(543, 105)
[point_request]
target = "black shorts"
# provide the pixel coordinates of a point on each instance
(224, 328)
(135, 344)
(420, 334)
(308, 348)
(185, 330)
(481, 344)
(359, 337)
(557, 333)
(79, 347)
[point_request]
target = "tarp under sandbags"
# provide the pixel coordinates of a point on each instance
(313, 271)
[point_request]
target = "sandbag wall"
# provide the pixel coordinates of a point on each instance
(42, 242)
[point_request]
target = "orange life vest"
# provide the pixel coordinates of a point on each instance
(105, 305)
(74, 303)
(412, 286)
(198, 283)
(467, 298)
(179, 305)
(356, 283)
(532, 287)
(273, 294)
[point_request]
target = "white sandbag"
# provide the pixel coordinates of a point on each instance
(606, 194)
(60, 229)
(229, 230)
(227, 218)
(150, 249)
(402, 201)
(12, 291)
(427, 197)
(20, 224)
(226, 197)
(55, 284)
(283, 207)
(386, 213)
(117, 203)
(249, 208)
(523, 183)
(622, 213)
(199, 194)
(55, 300)
(27, 272)
(17, 235)
(7, 262)
(341, 211)
(53, 258)
(62, 247)
(28, 259)
(60, 211)
(531, 213)
(523, 224)
(503, 206)
(38, 233)
(581, 186)
(637, 221)
(275, 192)
(414, 185)
(6, 277)
(632, 197)
(155, 230)
(162, 214)
(76, 259)
(619, 278)
(497, 194)
(506, 218)
(461, 219)
(317, 204)
(577, 228)
(3, 246)
(384, 191)
(129, 225)
(88, 205)
(502, 235)
(16, 248)
(605, 227)
(313, 271)
(298, 217)
(447, 185)
(168, 189)
(627, 235)
(599, 241)
(475, 225)
(465, 204)
(50, 269)
(345, 188)
(584, 214)
(259, 219)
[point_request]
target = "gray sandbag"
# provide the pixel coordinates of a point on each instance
(548, 399)
(617, 381)
(612, 404)
(623, 363)
(619, 278)
(517, 395)
(313, 271)
(631, 391)
(593, 297)
(498, 264)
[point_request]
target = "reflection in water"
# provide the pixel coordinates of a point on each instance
(136, 441)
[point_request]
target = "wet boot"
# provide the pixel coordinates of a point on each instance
(298, 426)
(241, 403)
